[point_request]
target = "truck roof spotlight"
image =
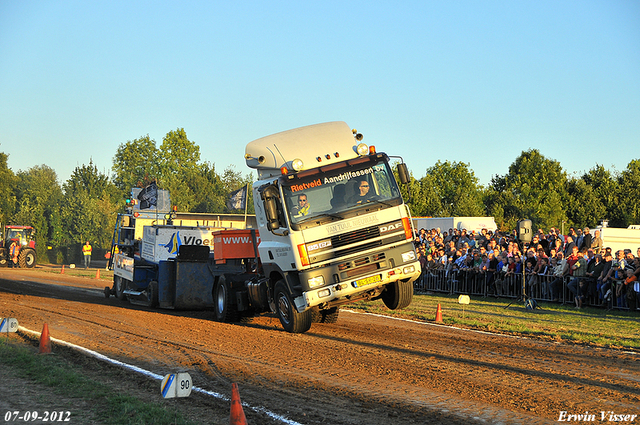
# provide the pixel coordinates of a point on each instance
(297, 164)
(362, 149)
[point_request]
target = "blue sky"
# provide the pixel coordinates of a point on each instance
(470, 81)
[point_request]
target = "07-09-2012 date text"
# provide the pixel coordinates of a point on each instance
(36, 416)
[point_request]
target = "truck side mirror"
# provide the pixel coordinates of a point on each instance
(270, 199)
(403, 173)
(271, 210)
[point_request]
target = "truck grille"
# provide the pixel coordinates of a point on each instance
(355, 236)
(356, 241)
(347, 251)
(361, 265)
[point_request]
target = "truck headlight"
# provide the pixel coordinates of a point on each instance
(314, 282)
(408, 256)
(324, 293)
(409, 270)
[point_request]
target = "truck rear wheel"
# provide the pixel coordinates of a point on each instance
(398, 295)
(27, 258)
(291, 320)
(223, 297)
(330, 315)
(324, 316)
(316, 315)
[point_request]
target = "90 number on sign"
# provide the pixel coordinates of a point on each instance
(176, 385)
(8, 325)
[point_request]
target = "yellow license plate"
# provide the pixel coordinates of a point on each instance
(367, 281)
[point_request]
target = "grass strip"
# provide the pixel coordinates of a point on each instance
(551, 321)
(67, 379)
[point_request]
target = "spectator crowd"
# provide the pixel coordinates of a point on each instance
(575, 268)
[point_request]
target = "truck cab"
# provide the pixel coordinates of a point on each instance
(333, 225)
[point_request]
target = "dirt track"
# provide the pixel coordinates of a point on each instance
(363, 370)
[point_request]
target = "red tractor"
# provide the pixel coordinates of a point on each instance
(18, 246)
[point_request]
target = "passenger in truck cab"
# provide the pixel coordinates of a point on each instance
(363, 194)
(303, 206)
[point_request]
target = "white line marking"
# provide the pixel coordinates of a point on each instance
(257, 409)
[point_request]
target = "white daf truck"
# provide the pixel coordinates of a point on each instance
(333, 225)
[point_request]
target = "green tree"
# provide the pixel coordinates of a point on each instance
(428, 201)
(234, 180)
(180, 170)
(593, 197)
(90, 208)
(583, 208)
(175, 166)
(413, 194)
(210, 189)
(451, 189)
(178, 154)
(39, 196)
(534, 188)
(135, 164)
(7, 189)
(628, 195)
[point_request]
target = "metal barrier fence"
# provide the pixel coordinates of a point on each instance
(541, 288)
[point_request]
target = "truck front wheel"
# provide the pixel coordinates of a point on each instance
(291, 320)
(223, 296)
(398, 295)
(27, 258)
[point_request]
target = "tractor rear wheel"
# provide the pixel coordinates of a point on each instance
(27, 258)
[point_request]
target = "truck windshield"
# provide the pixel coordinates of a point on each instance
(338, 190)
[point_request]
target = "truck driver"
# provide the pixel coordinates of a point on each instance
(363, 195)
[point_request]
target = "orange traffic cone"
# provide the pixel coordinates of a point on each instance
(439, 314)
(62, 270)
(45, 341)
(98, 274)
(237, 414)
